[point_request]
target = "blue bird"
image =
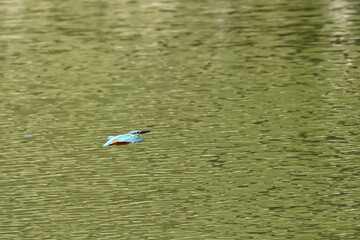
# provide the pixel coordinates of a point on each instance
(131, 137)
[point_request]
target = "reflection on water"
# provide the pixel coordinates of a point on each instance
(253, 107)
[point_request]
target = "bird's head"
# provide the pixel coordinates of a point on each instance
(138, 132)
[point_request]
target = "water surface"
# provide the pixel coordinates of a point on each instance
(253, 108)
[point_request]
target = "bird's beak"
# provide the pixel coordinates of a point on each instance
(145, 131)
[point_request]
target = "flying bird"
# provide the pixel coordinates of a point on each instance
(131, 137)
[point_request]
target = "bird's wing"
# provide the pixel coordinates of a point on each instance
(109, 137)
(129, 139)
(137, 139)
(124, 138)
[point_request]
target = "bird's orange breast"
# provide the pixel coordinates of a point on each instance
(119, 143)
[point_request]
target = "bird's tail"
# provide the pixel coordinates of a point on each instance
(109, 141)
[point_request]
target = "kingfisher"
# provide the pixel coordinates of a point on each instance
(131, 137)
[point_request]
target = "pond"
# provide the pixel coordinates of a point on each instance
(253, 108)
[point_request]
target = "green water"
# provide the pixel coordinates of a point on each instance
(253, 108)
